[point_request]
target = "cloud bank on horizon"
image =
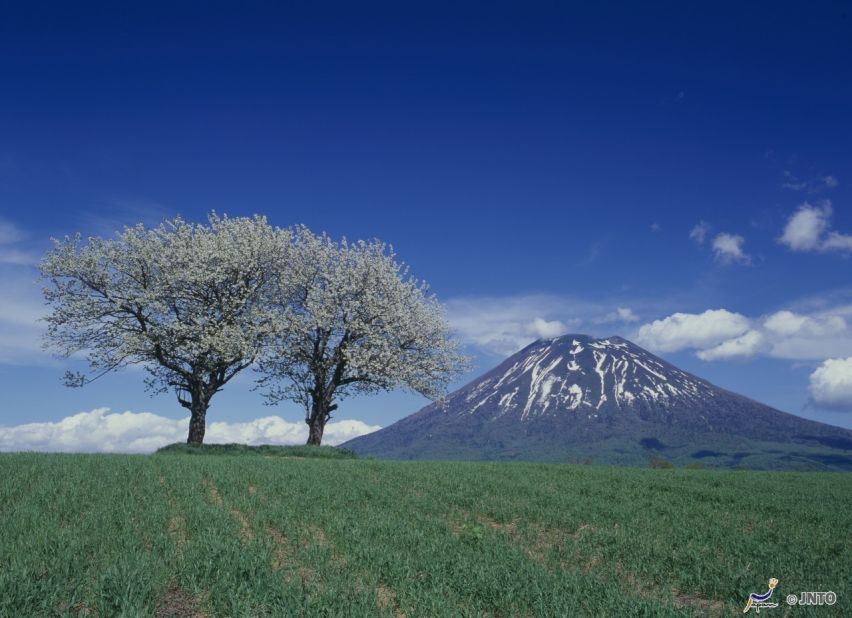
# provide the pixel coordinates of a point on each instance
(103, 431)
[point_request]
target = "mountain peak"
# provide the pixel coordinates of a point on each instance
(583, 339)
(583, 373)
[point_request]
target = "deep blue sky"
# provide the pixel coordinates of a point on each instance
(529, 160)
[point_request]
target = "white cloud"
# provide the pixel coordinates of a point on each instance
(720, 334)
(808, 230)
(699, 232)
(816, 336)
(835, 241)
(10, 233)
(21, 306)
(819, 183)
(728, 249)
(625, 314)
(21, 301)
(548, 329)
(9, 255)
(117, 211)
(787, 323)
(621, 314)
(503, 326)
(792, 182)
(743, 346)
(680, 331)
(128, 432)
(829, 181)
(831, 384)
(15, 257)
(804, 229)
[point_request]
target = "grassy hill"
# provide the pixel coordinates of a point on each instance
(177, 534)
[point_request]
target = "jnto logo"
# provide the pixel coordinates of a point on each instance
(761, 601)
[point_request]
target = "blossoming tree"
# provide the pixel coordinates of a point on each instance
(358, 323)
(189, 302)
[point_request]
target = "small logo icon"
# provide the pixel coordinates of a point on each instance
(761, 601)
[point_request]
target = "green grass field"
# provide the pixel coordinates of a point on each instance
(254, 534)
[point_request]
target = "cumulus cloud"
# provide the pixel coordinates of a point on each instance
(806, 226)
(817, 336)
(130, 432)
(808, 229)
(700, 231)
(728, 249)
(681, 331)
(831, 384)
(621, 314)
(548, 329)
(719, 334)
(744, 345)
(787, 323)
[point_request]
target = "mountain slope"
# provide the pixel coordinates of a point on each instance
(576, 398)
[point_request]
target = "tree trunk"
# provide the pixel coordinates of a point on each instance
(197, 419)
(315, 433)
(321, 409)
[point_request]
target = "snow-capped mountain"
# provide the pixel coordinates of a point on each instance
(581, 374)
(578, 398)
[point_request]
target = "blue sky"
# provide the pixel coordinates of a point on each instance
(542, 166)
